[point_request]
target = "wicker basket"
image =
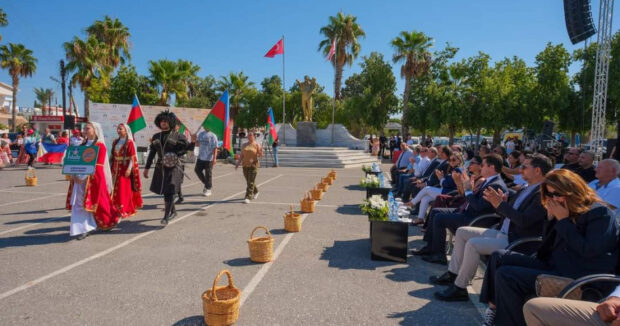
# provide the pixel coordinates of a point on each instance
(317, 194)
(31, 178)
(221, 303)
(323, 186)
(68, 177)
(332, 174)
(329, 180)
(292, 221)
(261, 248)
(308, 204)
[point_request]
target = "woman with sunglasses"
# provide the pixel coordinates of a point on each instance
(449, 201)
(428, 194)
(579, 238)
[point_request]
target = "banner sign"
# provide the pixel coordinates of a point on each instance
(80, 160)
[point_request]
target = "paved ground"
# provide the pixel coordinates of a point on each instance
(144, 274)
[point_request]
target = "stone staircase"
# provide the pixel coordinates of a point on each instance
(323, 157)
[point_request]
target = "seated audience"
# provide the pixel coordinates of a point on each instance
(523, 216)
(607, 185)
(579, 238)
(475, 205)
(586, 167)
(401, 163)
(411, 185)
(571, 160)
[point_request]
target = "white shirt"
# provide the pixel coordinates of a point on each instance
(510, 146)
(609, 193)
(403, 159)
(207, 142)
(422, 166)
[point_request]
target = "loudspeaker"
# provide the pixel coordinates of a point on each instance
(548, 128)
(578, 17)
(69, 122)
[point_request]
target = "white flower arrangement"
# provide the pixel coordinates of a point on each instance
(366, 168)
(370, 181)
(376, 208)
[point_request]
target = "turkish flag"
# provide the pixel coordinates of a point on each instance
(276, 49)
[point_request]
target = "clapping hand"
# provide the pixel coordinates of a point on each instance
(439, 174)
(468, 183)
(493, 196)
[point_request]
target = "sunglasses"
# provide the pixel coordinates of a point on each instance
(474, 162)
(554, 194)
(454, 160)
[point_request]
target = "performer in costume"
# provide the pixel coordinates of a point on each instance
(88, 197)
(127, 193)
(168, 145)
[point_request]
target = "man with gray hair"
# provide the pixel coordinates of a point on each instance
(586, 171)
(607, 185)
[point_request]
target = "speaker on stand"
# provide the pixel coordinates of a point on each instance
(69, 122)
(578, 18)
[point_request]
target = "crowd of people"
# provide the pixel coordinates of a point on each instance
(573, 206)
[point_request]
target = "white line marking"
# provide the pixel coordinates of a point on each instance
(150, 195)
(65, 269)
(247, 291)
(29, 200)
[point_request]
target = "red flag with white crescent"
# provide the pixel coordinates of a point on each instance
(276, 49)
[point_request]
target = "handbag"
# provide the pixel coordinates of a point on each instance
(551, 286)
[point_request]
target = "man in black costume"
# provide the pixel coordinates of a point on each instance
(169, 145)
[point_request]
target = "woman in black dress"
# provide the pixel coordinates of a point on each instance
(168, 145)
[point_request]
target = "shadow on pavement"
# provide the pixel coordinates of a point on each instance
(35, 240)
(42, 211)
(438, 313)
(354, 187)
(40, 220)
(351, 209)
(352, 254)
(191, 321)
(47, 230)
(239, 262)
(278, 231)
(417, 271)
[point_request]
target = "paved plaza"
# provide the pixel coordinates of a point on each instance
(141, 273)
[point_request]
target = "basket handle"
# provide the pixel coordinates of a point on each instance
(259, 227)
(230, 282)
(31, 172)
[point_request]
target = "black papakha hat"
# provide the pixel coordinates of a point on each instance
(167, 116)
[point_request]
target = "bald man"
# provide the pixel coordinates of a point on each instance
(607, 184)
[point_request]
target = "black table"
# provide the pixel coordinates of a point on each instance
(388, 241)
(378, 191)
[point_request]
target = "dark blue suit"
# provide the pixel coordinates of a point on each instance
(435, 236)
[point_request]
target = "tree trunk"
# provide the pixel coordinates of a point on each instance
(404, 127)
(338, 81)
(572, 138)
(86, 106)
(478, 138)
(14, 104)
(451, 132)
(496, 140)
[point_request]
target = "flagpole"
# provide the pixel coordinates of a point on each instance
(283, 98)
(334, 99)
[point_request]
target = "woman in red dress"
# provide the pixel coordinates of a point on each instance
(89, 196)
(127, 193)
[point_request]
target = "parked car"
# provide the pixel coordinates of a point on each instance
(441, 141)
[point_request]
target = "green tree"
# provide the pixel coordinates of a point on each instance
(411, 48)
(171, 78)
(115, 36)
(346, 31)
(44, 96)
(239, 90)
(202, 93)
(3, 20)
(553, 83)
(375, 100)
(21, 63)
(478, 74)
(84, 61)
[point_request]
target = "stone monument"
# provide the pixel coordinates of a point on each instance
(306, 130)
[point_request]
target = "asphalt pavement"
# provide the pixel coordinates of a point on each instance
(142, 273)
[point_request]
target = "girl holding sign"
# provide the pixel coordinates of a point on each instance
(88, 197)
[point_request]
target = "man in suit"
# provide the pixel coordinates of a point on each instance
(401, 164)
(523, 216)
(476, 205)
(412, 185)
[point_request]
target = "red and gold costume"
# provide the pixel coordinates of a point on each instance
(97, 198)
(127, 193)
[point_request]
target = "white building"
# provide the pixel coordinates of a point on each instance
(6, 97)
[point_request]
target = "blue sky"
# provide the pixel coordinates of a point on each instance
(230, 36)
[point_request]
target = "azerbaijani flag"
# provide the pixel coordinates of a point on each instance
(183, 129)
(218, 122)
(271, 127)
(136, 119)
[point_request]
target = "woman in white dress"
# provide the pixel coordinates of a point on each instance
(89, 211)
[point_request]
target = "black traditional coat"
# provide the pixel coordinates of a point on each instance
(167, 180)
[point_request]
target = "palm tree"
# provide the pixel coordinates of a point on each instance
(84, 58)
(115, 36)
(44, 96)
(345, 30)
(20, 63)
(171, 78)
(238, 88)
(412, 48)
(3, 20)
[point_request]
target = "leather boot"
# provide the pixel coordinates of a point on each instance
(167, 212)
